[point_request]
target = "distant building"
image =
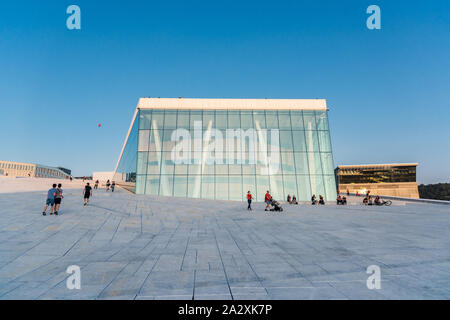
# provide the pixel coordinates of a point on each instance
(68, 171)
(103, 176)
(398, 179)
(22, 169)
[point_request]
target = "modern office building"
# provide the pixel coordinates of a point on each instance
(21, 169)
(398, 179)
(222, 148)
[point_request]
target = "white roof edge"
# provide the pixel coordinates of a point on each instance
(232, 104)
(378, 165)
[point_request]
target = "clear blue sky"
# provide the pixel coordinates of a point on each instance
(388, 90)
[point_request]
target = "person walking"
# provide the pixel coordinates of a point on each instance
(87, 192)
(268, 200)
(96, 184)
(58, 198)
(113, 185)
(107, 185)
(249, 200)
(50, 201)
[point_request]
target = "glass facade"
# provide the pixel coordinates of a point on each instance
(376, 174)
(221, 154)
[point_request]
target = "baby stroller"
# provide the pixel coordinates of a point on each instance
(276, 206)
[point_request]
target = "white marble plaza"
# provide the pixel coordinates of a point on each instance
(144, 247)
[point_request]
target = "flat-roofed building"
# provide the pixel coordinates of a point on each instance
(222, 148)
(22, 169)
(396, 179)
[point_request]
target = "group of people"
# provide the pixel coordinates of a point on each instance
(314, 200)
(108, 185)
(55, 196)
(268, 199)
(292, 200)
(341, 200)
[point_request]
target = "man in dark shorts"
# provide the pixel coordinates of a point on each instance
(87, 192)
(50, 200)
(58, 198)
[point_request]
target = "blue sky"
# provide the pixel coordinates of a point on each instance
(387, 90)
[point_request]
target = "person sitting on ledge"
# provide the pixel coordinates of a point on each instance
(370, 202)
(339, 200)
(313, 199)
(294, 200)
(289, 199)
(377, 200)
(365, 201)
(344, 200)
(321, 201)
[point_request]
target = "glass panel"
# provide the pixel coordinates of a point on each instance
(322, 120)
(194, 186)
(287, 162)
(195, 116)
(235, 169)
(181, 169)
(317, 186)
(276, 187)
(140, 184)
(167, 165)
(299, 142)
(208, 187)
(272, 120)
(286, 140)
(222, 187)
(301, 163)
(290, 186)
(235, 188)
(145, 117)
(156, 137)
(312, 141)
(154, 163)
(157, 119)
(303, 188)
(142, 162)
(284, 119)
(330, 187)
(315, 163)
(183, 119)
(327, 163)
(222, 169)
(234, 120)
(297, 120)
(167, 143)
(221, 119)
(262, 185)
(324, 141)
(208, 119)
(180, 186)
(259, 118)
(152, 186)
(309, 119)
(246, 120)
(166, 188)
(170, 119)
